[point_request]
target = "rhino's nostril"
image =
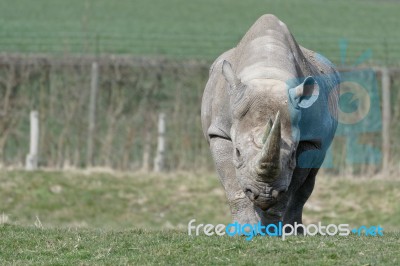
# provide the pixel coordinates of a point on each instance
(251, 193)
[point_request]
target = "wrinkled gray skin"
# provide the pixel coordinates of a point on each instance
(257, 122)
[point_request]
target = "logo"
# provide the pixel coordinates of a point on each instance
(354, 103)
(358, 111)
(358, 114)
(280, 230)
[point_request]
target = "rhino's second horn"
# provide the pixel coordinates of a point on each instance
(268, 165)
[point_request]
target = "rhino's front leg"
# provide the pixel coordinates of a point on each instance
(300, 195)
(242, 209)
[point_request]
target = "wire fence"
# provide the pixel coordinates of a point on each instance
(380, 51)
(130, 96)
(132, 92)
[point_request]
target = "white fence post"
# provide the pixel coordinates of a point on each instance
(159, 159)
(32, 157)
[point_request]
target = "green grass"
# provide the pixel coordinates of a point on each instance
(106, 200)
(85, 199)
(195, 29)
(88, 217)
(33, 246)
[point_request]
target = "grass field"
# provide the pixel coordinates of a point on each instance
(33, 246)
(86, 217)
(196, 29)
(123, 201)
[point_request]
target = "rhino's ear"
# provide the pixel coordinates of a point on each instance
(230, 77)
(305, 94)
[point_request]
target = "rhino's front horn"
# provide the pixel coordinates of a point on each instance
(268, 166)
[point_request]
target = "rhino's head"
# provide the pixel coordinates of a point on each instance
(265, 133)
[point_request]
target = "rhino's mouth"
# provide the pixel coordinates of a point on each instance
(265, 201)
(263, 198)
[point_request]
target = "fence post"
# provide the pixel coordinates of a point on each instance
(385, 119)
(159, 159)
(92, 113)
(32, 158)
(146, 152)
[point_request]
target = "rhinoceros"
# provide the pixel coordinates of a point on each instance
(269, 114)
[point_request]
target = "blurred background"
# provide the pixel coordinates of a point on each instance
(117, 85)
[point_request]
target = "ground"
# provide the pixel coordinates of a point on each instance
(87, 217)
(35, 246)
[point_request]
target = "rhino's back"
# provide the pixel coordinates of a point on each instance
(267, 50)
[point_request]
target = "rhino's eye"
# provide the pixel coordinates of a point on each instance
(238, 160)
(237, 152)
